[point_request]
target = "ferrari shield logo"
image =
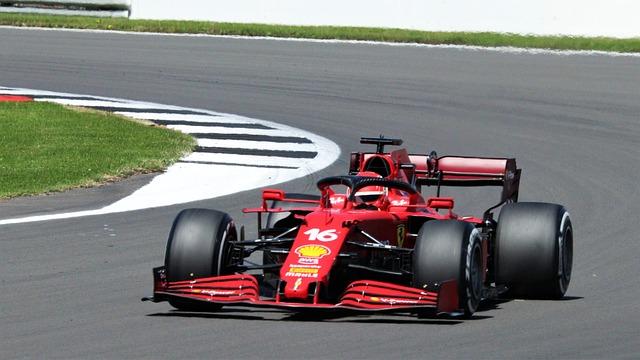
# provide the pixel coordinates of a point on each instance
(400, 232)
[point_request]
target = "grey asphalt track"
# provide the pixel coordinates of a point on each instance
(71, 288)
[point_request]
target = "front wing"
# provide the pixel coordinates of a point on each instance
(360, 295)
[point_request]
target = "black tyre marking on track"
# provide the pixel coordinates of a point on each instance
(249, 137)
(258, 152)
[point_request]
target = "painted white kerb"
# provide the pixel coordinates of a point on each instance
(220, 174)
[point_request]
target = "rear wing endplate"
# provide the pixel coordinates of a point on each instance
(431, 170)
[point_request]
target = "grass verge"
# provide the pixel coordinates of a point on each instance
(324, 32)
(46, 147)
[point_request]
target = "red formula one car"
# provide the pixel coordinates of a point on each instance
(370, 242)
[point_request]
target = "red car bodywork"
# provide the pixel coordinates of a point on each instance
(341, 234)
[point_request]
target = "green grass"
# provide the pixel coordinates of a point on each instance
(325, 32)
(46, 147)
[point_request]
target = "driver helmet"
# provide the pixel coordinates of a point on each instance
(370, 194)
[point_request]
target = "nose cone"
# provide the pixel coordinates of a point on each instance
(298, 287)
(305, 265)
(313, 253)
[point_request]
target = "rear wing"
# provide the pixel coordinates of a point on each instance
(431, 170)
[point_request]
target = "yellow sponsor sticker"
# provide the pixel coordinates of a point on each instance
(313, 251)
(302, 270)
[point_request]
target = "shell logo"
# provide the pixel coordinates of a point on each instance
(313, 251)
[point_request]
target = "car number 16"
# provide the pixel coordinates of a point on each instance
(324, 236)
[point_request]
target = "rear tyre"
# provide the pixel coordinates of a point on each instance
(198, 247)
(534, 250)
(450, 250)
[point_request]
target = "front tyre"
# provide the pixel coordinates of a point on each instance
(198, 247)
(450, 250)
(534, 249)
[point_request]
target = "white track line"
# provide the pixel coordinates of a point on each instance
(213, 174)
(246, 159)
(506, 49)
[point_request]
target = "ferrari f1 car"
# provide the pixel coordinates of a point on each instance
(371, 242)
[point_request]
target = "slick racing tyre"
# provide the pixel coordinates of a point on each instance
(534, 250)
(198, 247)
(450, 250)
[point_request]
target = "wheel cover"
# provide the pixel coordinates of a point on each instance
(473, 274)
(475, 277)
(565, 259)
